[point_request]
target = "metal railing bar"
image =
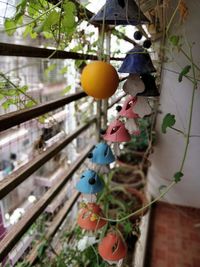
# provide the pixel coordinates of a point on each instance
(18, 230)
(15, 118)
(55, 224)
(20, 175)
(39, 52)
(116, 101)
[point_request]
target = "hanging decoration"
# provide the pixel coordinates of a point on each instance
(99, 80)
(112, 247)
(137, 61)
(102, 154)
(117, 133)
(126, 111)
(89, 217)
(150, 86)
(120, 12)
(89, 183)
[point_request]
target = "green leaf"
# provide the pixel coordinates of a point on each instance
(168, 121)
(63, 70)
(10, 26)
(30, 104)
(29, 32)
(49, 69)
(174, 39)
(41, 249)
(23, 89)
(1, 96)
(177, 176)
(68, 21)
(128, 227)
(67, 89)
(51, 20)
(184, 71)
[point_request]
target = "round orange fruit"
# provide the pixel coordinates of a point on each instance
(99, 79)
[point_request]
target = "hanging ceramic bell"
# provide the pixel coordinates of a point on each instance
(133, 85)
(142, 107)
(89, 217)
(102, 154)
(90, 183)
(127, 109)
(120, 12)
(150, 86)
(137, 61)
(112, 247)
(131, 117)
(117, 133)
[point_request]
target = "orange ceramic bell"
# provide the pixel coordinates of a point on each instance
(127, 109)
(112, 247)
(116, 132)
(89, 217)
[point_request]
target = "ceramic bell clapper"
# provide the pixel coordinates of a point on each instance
(102, 154)
(133, 85)
(150, 86)
(112, 248)
(137, 61)
(89, 183)
(89, 217)
(142, 107)
(119, 12)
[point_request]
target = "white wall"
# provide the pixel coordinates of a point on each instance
(175, 99)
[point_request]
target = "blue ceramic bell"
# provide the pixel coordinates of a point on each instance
(137, 61)
(120, 12)
(89, 183)
(150, 86)
(102, 154)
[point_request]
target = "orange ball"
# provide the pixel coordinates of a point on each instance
(99, 79)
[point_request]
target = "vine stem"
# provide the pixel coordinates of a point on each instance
(191, 112)
(172, 17)
(34, 20)
(144, 207)
(17, 88)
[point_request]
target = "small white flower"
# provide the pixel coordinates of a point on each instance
(85, 242)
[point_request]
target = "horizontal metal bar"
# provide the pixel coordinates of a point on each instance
(15, 118)
(18, 230)
(18, 176)
(116, 101)
(55, 224)
(38, 52)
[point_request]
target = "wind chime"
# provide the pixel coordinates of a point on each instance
(100, 80)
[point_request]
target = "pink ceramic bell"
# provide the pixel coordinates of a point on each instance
(127, 109)
(116, 132)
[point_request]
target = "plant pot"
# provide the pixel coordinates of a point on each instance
(127, 177)
(126, 197)
(133, 160)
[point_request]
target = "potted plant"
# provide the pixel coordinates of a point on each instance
(128, 177)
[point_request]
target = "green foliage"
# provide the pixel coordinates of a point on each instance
(140, 142)
(184, 72)
(168, 121)
(174, 39)
(67, 89)
(49, 69)
(177, 176)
